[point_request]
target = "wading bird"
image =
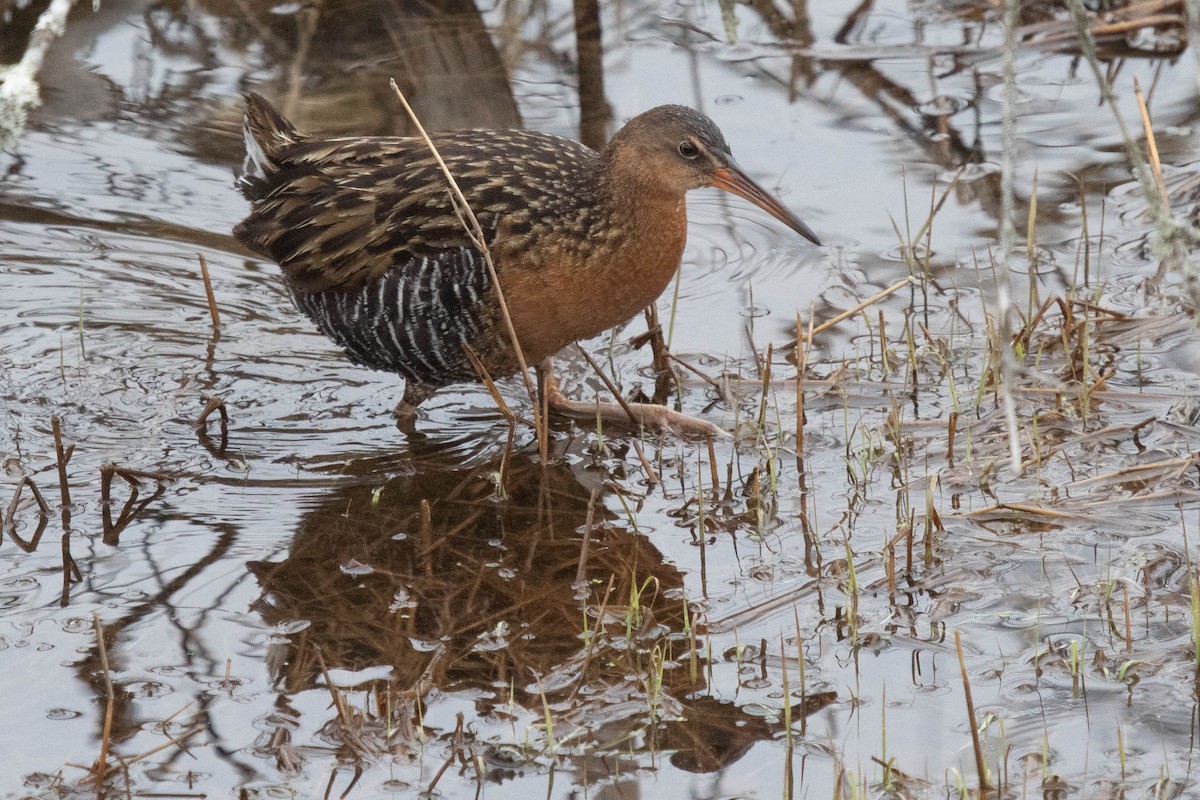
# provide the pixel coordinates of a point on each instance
(375, 252)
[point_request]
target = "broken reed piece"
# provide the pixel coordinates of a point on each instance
(213, 313)
(43, 506)
(131, 476)
(62, 456)
(108, 470)
(213, 403)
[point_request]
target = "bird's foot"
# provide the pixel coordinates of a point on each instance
(646, 415)
(405, 411)
(406, 418)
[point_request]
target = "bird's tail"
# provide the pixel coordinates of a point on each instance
(266, 132)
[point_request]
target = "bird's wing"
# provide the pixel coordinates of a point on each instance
(414, 319)
(339, 213)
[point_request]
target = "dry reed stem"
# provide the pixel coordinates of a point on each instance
(213, 313)
(581, 570)
(61, 458)
(980, 764)
(829, 323)
(764, 609)
(766, 387)
(645, 415)
(1161, 213)
(475, 232)
(1008, 365)
(933, 211)
(1113, 28)
(713, 382)
(647, 467)
(660, 354)
(801, 368)
(486, 379)
(1144, 14)
(110, 700)
(176, 741)
(427, 535)
(712, 471)
(1153, 498)
(608, 384)
(131, 475)
(1128, 622)
(1151, 144)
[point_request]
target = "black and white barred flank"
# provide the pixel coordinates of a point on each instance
(416, 320)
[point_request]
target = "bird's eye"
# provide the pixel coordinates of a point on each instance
(688, 149)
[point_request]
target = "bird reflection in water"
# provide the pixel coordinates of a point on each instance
(459, 589)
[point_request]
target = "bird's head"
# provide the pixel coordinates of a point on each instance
(681, 149)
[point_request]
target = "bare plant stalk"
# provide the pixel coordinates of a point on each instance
(213, 313)
(102, 763)
(427, 535)
(633, 419)
(581, 570)
(1151, 145)
(43, 506)
(1087, 46)
(800, 367)
(475, 232)
(486, 379)
(61, 458)
(980, 764)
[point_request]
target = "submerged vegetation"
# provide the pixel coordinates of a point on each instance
(948, 550)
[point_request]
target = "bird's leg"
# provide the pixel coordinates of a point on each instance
(665, 378)
(647, 415)
(405, 411)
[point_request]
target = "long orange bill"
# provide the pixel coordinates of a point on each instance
(732, 179)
